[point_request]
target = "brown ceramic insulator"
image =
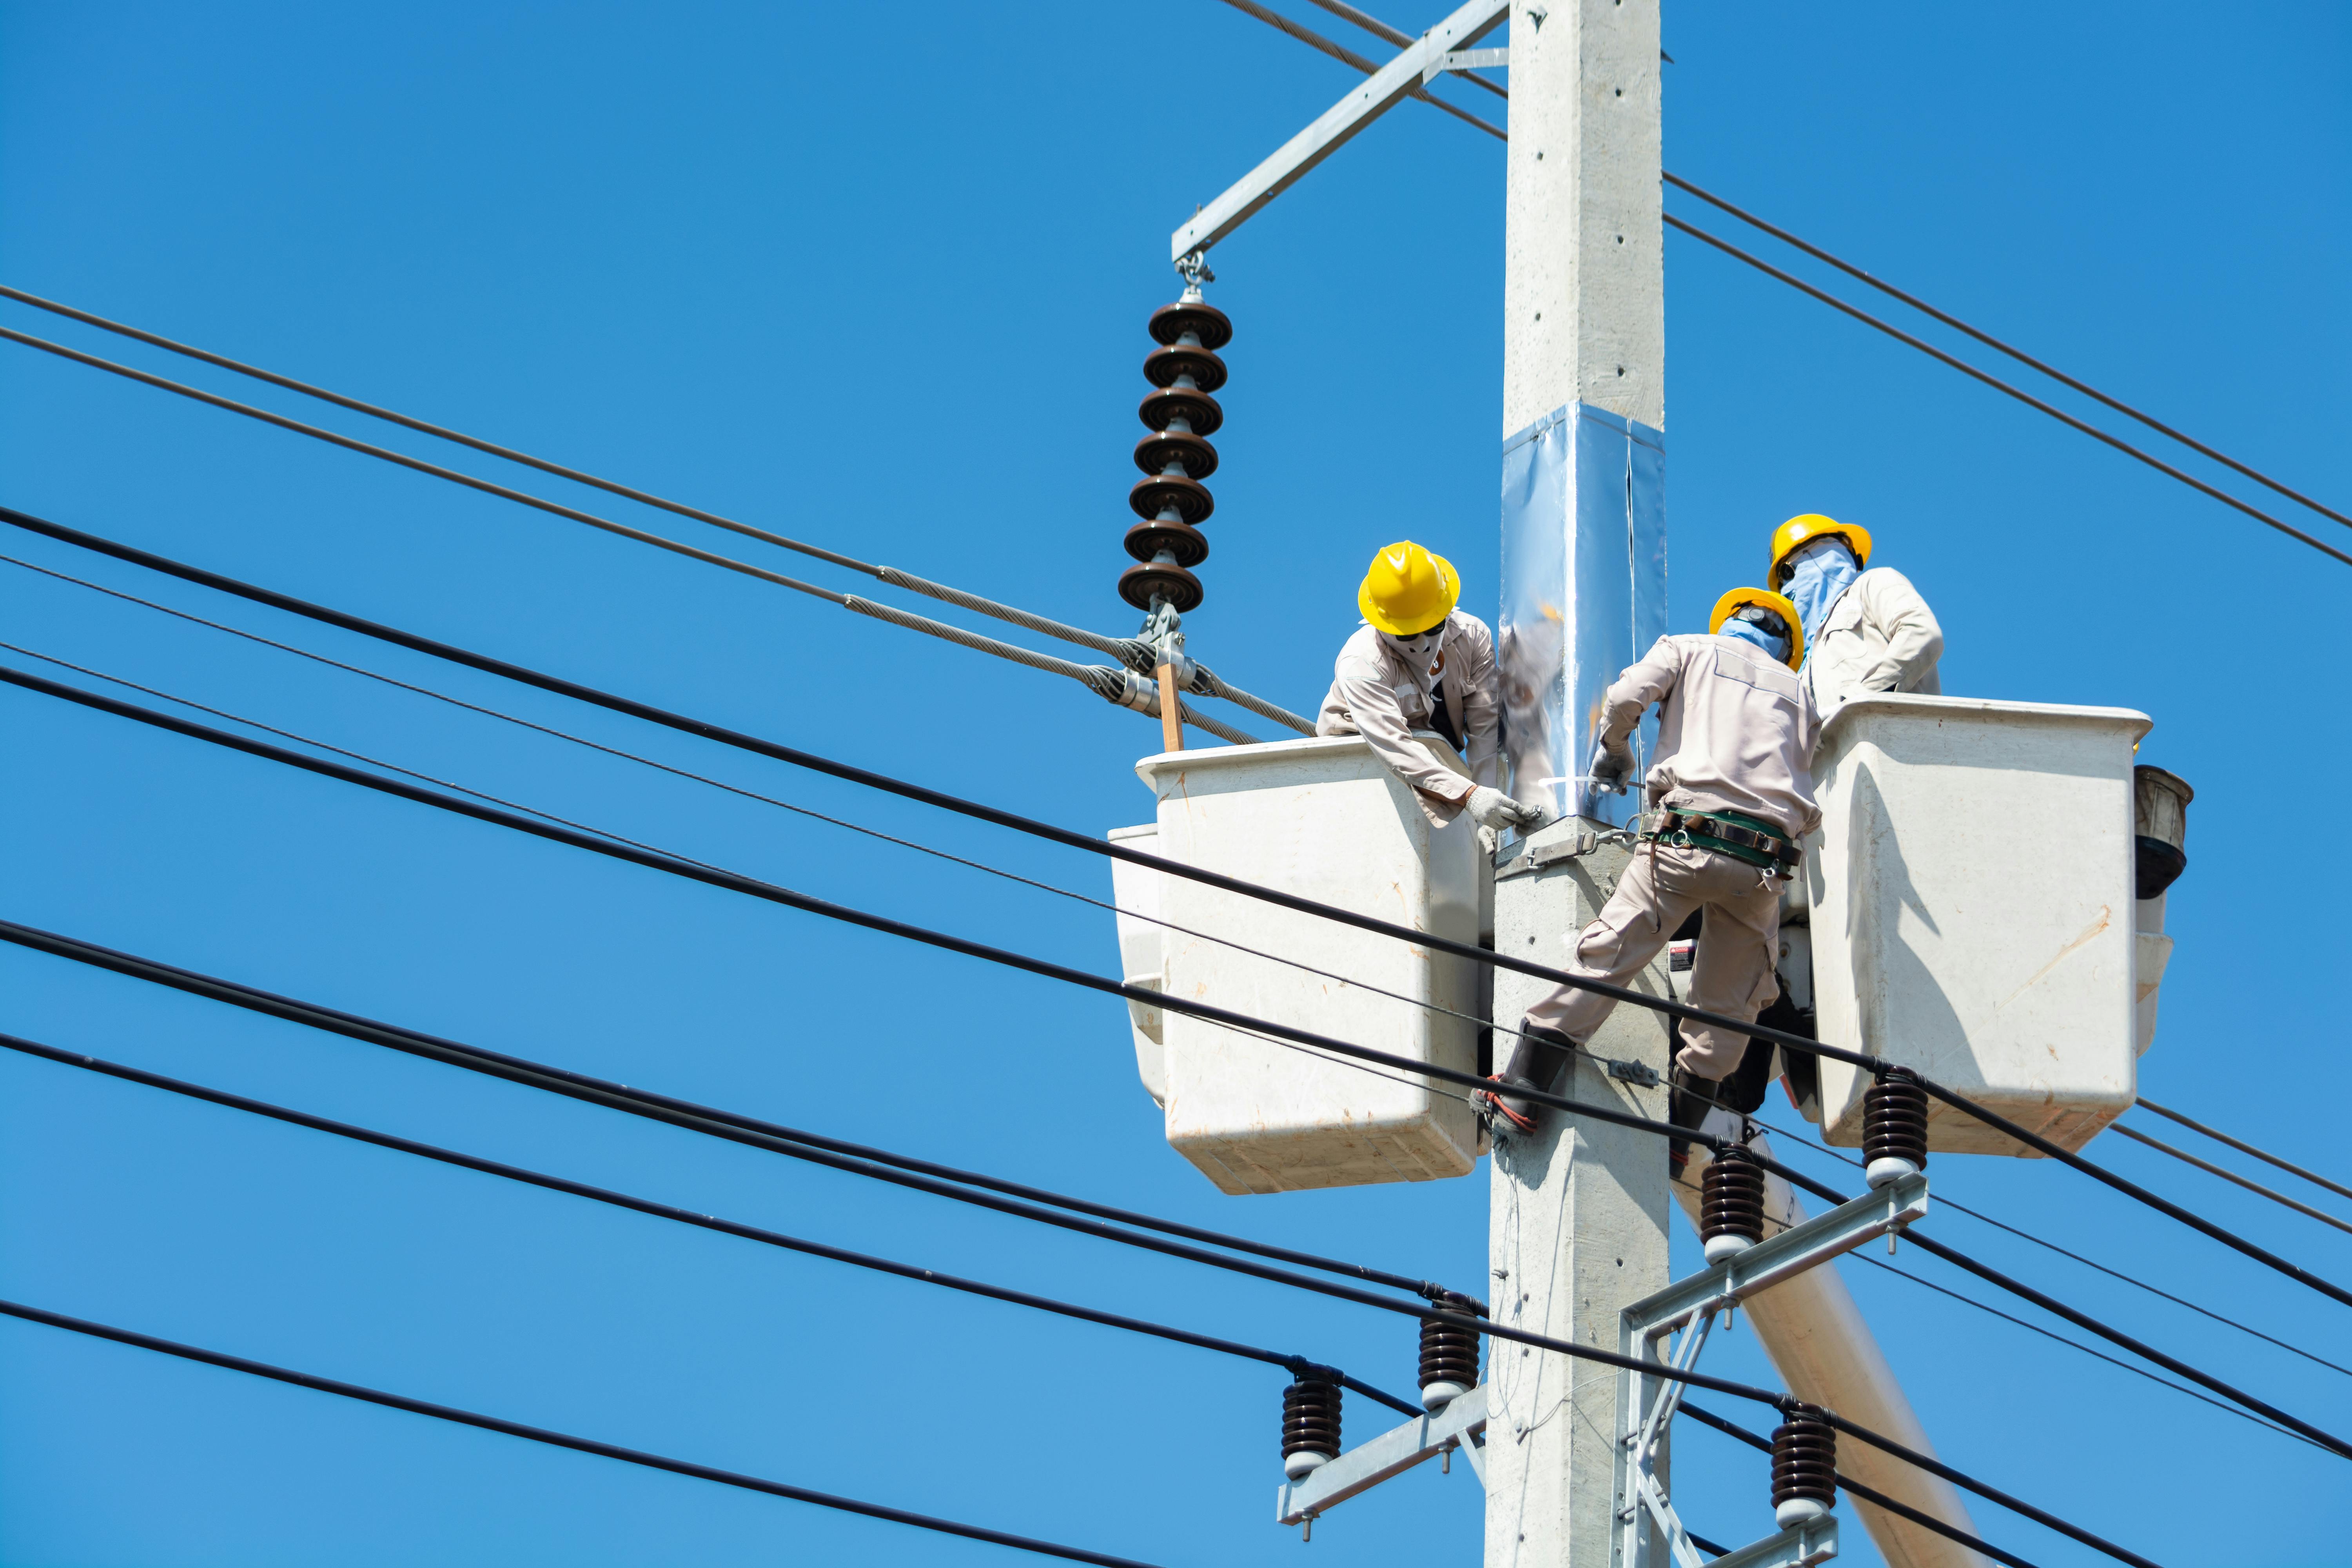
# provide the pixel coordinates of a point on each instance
(1171, 323)
(1731, 1197)
(1804, 1459)
(1895, 1121)
(1162, 367)
(1449, 1353)
(1154, 453)
(1166, 403)
(1139, 583)
(1155, 495)
(1310, 1419)
(1190, 546)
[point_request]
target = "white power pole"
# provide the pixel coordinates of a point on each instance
(1578, 1227)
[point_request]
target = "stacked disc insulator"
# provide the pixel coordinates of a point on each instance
(1804, 1468)
(1731, 1205)
(1893, 1130)
(1449, 1355)
(1180, 414)
(1311, 1426)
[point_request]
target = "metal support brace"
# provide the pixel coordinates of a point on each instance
(1464, 60)
(1462, 1424)
(1647, 1402)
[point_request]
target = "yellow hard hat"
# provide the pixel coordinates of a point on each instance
(1730, 604)
(1408, 589)
(1809, 526)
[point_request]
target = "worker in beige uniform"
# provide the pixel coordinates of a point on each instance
(1866, 628)
(1420, 663)
(1729, 796)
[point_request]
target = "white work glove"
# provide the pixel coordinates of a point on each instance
(1493, 810)
(1611, 765)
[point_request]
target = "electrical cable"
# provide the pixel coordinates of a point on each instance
(2120, 444)
(1108, 684)
(1036, 828)
(1297, 1366)
(1340, 53)
(1348, 56)
(1945, 1201)
(877, 834)
(2052, 372)
(771, 892)
(2245, 1148)
(1926, 1521)
(1132, 652)
(2229, 1176)
(832, 1154)
(319, 1384)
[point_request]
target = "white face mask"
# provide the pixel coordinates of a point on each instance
(1422, 646)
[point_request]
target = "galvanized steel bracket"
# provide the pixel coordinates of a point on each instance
(1462, 1424)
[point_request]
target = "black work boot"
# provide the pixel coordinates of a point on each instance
(1689, 1099)
(1536, 1057)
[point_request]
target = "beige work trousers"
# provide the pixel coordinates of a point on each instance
(1732, 971)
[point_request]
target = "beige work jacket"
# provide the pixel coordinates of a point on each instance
(1377, 694)
(1736, 730)
(1879, 637)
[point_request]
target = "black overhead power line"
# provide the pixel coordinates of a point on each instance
(1945, 1201)
(1131, 652)
(1395, 36)
(1297, 1366)
(1034, 828)
(1105, 682)
(1924, 347)
(1925, 1521)
(2052, 371)
(771, 892)
(2183, 1155)
(2245, 1148)
(834, 1154)
(500, 1425)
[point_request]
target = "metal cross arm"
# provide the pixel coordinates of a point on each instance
(1891, 1207)
(1380, 91)
(1798, 1546)
(1460, 1422)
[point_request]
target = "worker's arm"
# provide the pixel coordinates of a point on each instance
(1371, 708)
(1482, 708)
(1649, 681)
(1914, 641)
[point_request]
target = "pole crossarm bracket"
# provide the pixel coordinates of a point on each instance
(1798, 1546)
(1883, 1209)
(1464, 60)
(1461, 1423)
(1336, 126)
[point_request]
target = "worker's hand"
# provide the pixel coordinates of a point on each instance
(1491, 809)
(1611, 765)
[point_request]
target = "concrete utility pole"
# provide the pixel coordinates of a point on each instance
(1578, 1227)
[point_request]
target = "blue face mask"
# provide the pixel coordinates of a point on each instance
(1755, 635)
(1819, 574)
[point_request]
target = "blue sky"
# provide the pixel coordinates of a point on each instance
(889, 297)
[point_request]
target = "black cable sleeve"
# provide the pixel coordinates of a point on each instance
(500, 1425)
(1049, 832)
(1295, 1364)
(1870, 1495)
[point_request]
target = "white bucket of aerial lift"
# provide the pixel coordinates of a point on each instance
(1971, 892)
(1321, 818)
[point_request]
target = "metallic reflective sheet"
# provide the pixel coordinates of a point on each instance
(1584, 595)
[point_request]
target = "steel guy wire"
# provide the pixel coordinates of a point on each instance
(1987, 1307)
(1924, 347)
(1945, 1201)
(2052, 372)
(1367, 67)
(1926, 1521)
(1296, 1365)
(1108, 684)
(2229, 1176)
(1037, 828)
(774, 893)
(678, 771)
(1131, 652)
(316, 1384)
(832, 1154)
(2245, 1148)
